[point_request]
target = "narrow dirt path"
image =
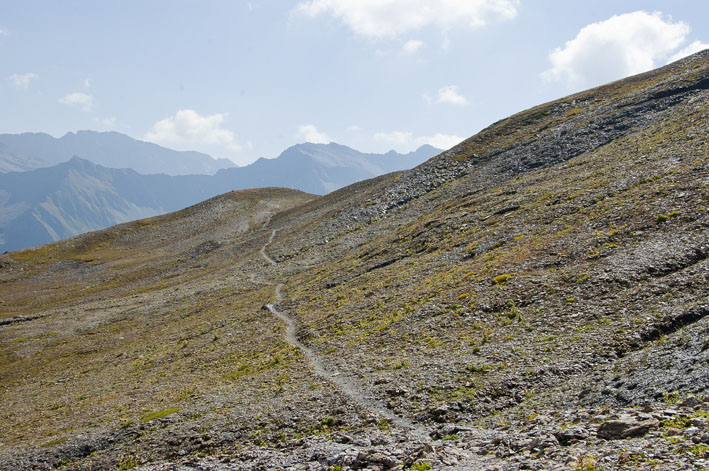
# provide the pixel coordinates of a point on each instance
(263, 249)
(352, 390)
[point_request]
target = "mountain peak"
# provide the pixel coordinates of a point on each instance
(80, 162)
(108, 148)
(318, 145)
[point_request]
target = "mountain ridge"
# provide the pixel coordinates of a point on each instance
(53, 203)
(28, 151)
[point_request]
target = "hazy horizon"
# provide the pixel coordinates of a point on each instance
(247, 79)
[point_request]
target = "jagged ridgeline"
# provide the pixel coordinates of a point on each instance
(534, 298)
(64, 200)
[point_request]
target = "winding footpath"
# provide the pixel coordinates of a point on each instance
(349, 388)
(417, 435)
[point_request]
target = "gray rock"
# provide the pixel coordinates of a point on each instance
(367, 457)
(691, 401)
(543, 442)
(626, 428)
(571, 434)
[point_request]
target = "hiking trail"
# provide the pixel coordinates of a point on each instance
(348, 387)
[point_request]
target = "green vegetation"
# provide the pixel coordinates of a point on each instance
(400, 365)
(585, 463)
(127, 463)
(328, 421)
(700, 451)
(421, 466)
(500, 279)
(664, 217)
(159, 414)
(514, 313)
(679, 422)
(384, 425)
(55, 442)
(672, 397)
(478, 368)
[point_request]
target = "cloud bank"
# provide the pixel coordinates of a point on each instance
(404, 141)
(82, 100)
(411, 47)
(389, 19)
(309, 133)
(22, 80)
(447, 95)
(620, 46)
(696, 46)
(188, 130)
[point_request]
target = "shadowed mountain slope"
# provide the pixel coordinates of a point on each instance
(49, 204)
(322, 168)
(534, 298)
(27, 151)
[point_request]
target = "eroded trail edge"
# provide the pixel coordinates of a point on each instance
(353, 391)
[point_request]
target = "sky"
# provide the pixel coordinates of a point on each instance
(247, 79)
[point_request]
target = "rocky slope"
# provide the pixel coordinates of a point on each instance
(534, 298)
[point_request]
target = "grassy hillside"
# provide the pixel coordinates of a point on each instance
(491, 308)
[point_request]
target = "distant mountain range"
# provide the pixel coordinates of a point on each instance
(29, 151)
(322, 168)
(48, 204)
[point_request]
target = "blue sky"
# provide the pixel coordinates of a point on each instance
(245, 79)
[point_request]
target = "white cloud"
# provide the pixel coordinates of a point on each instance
(106, 122)
(22, 80)
(309, 133)
(441, 141)
(395, 138)
(696, 46)
(86, 102)
(190, 130)
(355, 128)
(446, 44)
(411, 47)
(622, 45)
(87, 83)
(448, 95)
(404, 141)
(3, 32)
(387, 19)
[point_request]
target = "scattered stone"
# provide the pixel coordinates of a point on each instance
(626, 428)
(691, 401)
(449, 430)
(570, 435)
(440, 414)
